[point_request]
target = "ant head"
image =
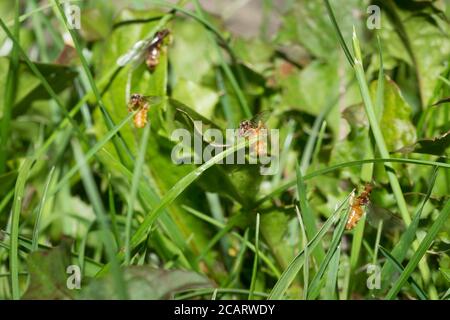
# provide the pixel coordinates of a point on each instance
(135, 97)
(244, 126)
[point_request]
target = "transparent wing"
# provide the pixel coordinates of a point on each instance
(376, 214)
(136, 53)
(152, 99)
(262, 116)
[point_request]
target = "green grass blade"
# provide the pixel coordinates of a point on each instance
(119, 144)
(349, 164)
(357, 239)
(134, 189)
(42, 79)
(227, 70)
(113, 214)
(250, 245)
(6, 200)
(176, 190)
(375, 128)
(108, 241)
(296, 264)
(255, 260)
(400, 250)
(339, 33)
(305, 249)
(93, 150)
(420, 252)
(316, 282)
(144, 228)
(419, 291)
(308, 215)
(16, 210)
(377, 242)
(37, 224)
(10, 93)
(332, 276)
(234, 273)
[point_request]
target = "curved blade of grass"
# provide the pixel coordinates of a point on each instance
(43, 201)
(108, 241)
(144, 228)
(176, 190)
(305, 249)
(120, 145)
(401, 248)
(25, 245)
(331, 281)
(73, 112)
(217, 213)
(316, 282)
(357, 239)
(339, 33)
(285, 151)
(307, 152)
(375, 128)
(235, 271)
(150, 199)
(329, 169)
(230, 225)
(446, 296)
(6, 200)
(227, 70)
(318, 146)
(308, 215)
(296, 264)
(220, 225)
(134, 189)
(420, 293)
(255, 260)
(377, 242)
(14, 242)
(42, 79)
(93, 150)
(420, 252)
(10, 92)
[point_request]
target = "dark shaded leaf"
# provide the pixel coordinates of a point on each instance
(47, 270)
(436, 146)
(145, 283)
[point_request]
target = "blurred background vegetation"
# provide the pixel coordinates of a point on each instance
(78, 180)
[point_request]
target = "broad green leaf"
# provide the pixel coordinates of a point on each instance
(30, 88)
(202, 99)
(396, 125)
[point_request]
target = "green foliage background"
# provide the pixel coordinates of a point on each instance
(79, 184)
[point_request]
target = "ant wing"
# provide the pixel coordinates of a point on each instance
(152, 100)
(377, 214)
(260, 116)
(136, 53)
